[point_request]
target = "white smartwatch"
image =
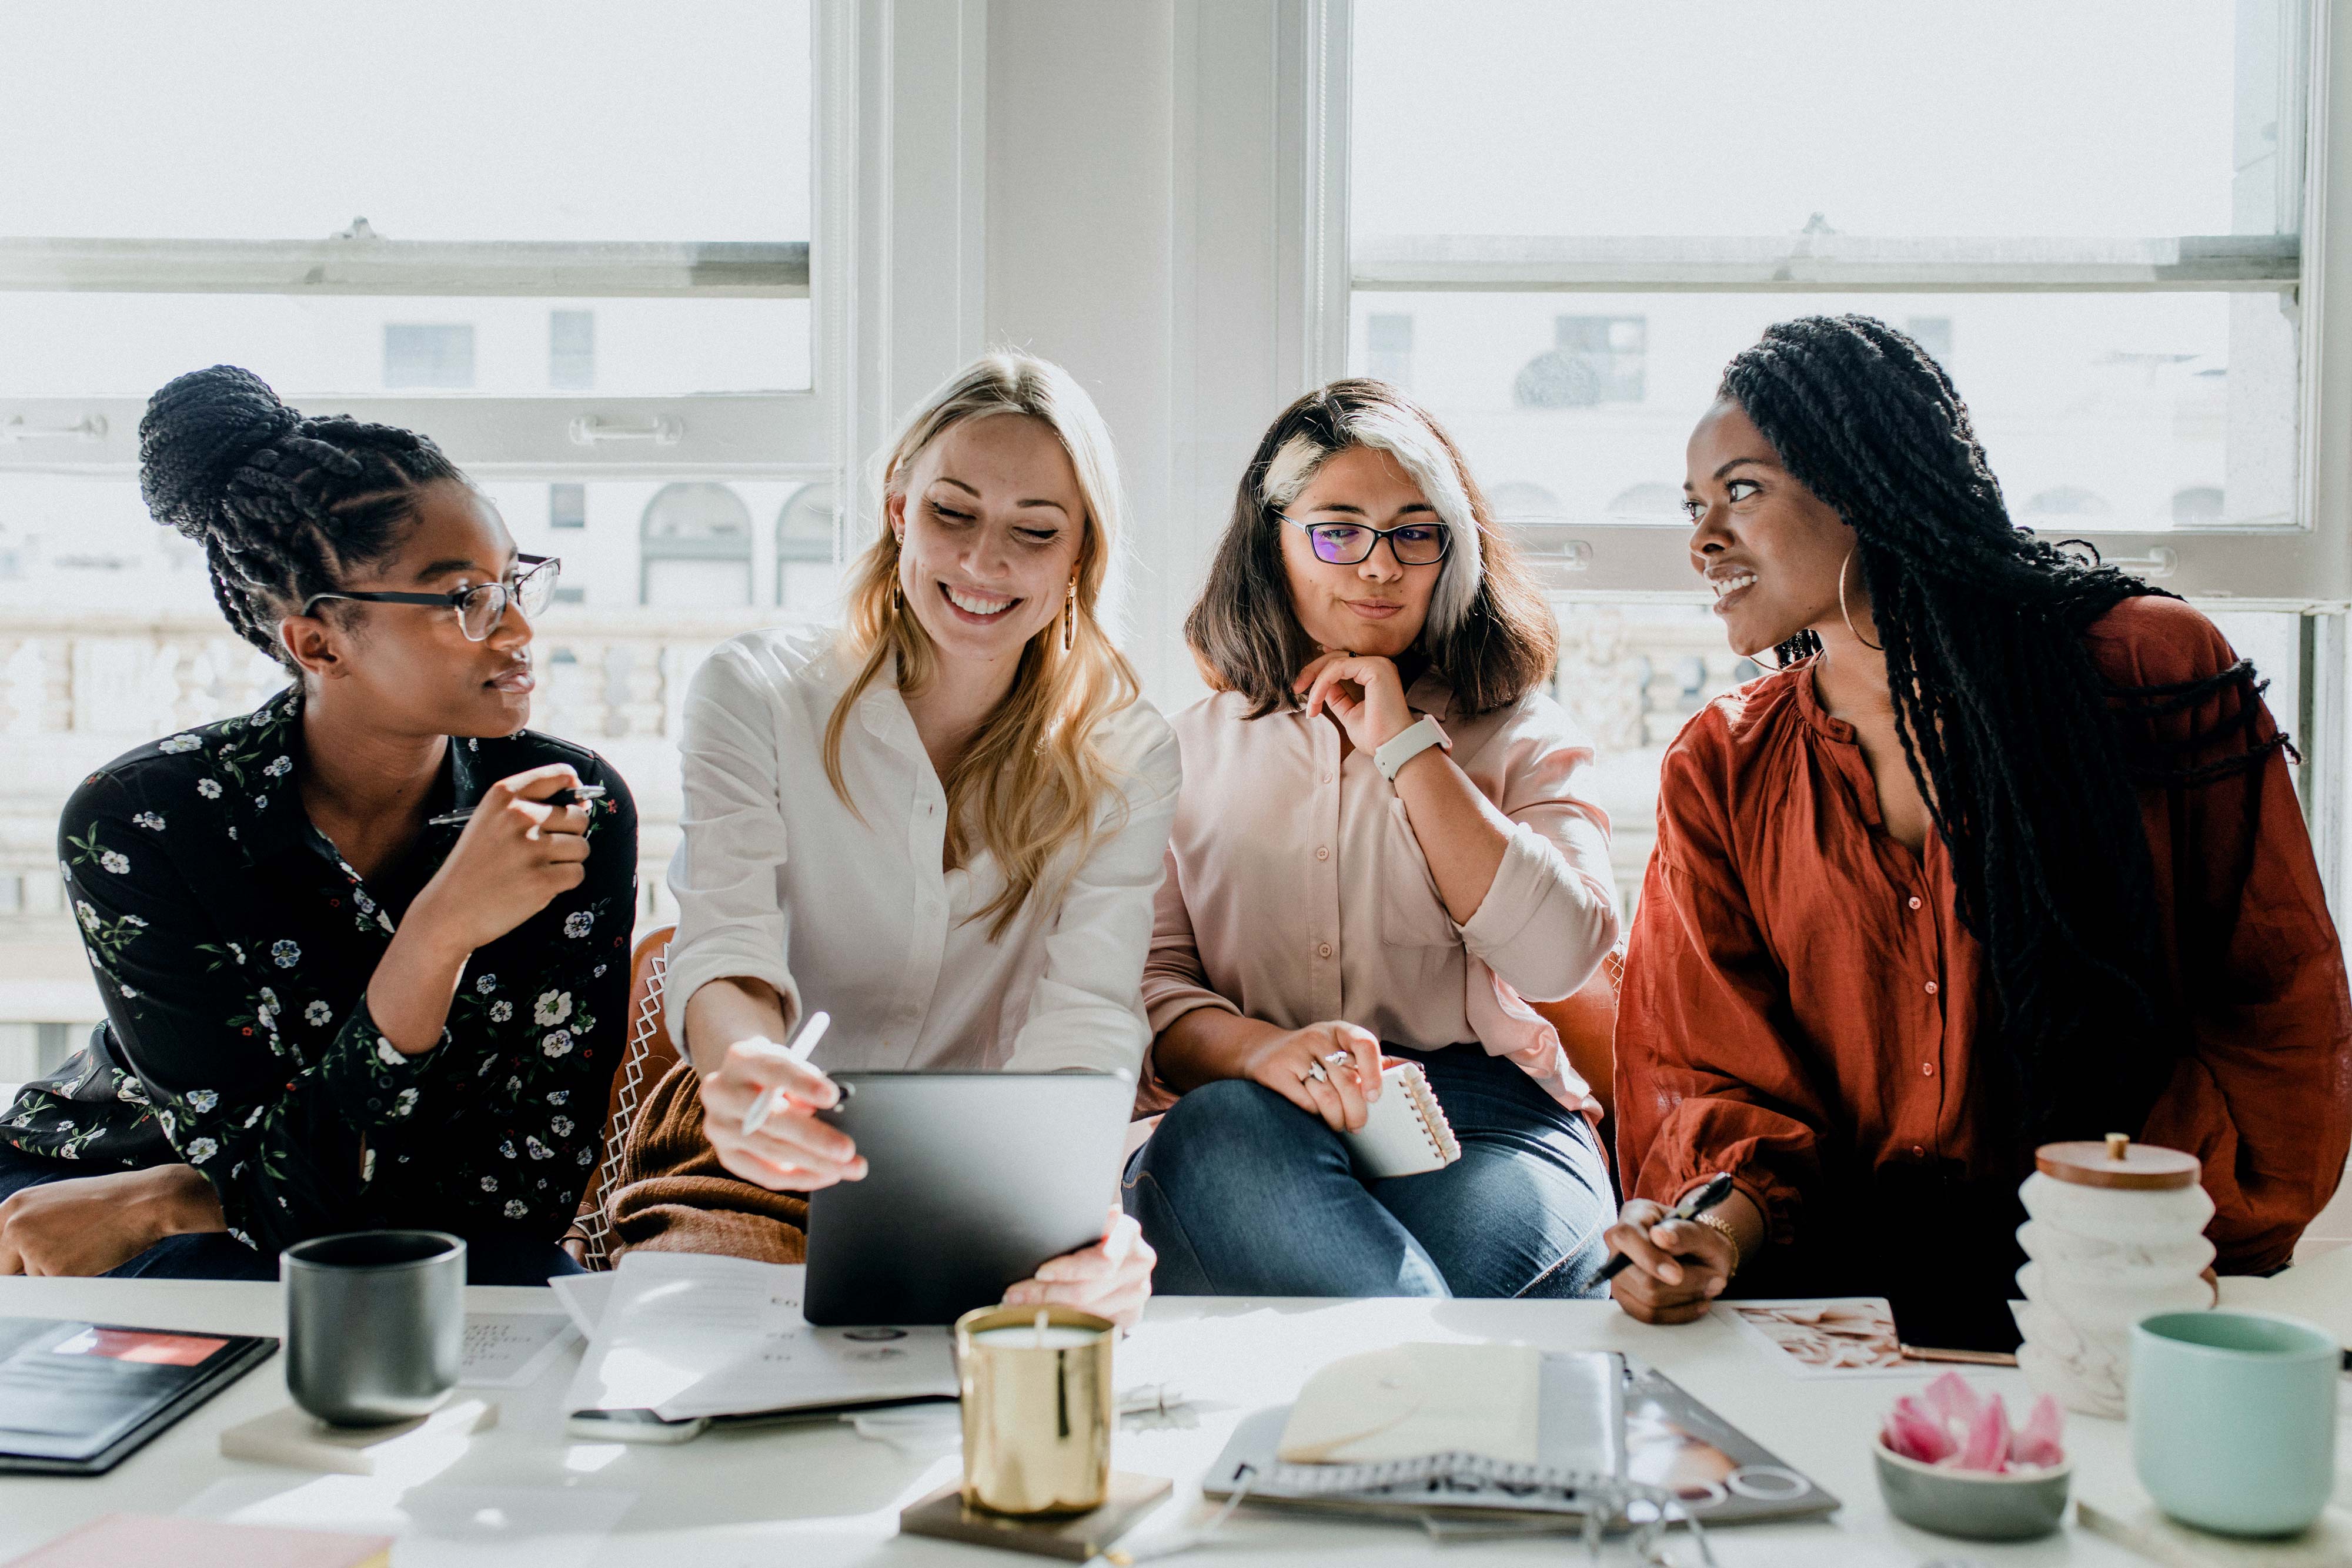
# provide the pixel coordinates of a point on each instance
(1409, 743)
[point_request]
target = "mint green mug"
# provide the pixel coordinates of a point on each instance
(2233, 1419)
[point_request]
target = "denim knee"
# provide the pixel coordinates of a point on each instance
(1229, 1120)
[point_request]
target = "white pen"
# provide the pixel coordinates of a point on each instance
(767, 1105)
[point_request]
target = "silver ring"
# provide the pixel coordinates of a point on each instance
(1315, 1074)
(1339, 1058)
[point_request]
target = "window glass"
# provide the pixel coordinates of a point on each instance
(435, 119)
(2117, 410)
(2136, 118)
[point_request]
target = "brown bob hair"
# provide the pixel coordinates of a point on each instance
(1490, 634)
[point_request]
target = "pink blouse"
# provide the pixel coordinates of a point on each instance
(1297, 893)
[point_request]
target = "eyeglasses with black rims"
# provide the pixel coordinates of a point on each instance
(1349, 543)
(481, 607)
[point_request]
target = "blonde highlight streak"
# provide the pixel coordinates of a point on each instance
(1029, 777)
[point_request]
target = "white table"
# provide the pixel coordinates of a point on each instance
(808, 1497)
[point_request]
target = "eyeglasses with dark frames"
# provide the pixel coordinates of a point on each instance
(482, 607)
(1349, 543)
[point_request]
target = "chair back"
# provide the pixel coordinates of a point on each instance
(647, 1056)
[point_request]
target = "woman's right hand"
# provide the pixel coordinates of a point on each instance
(517, 854)
(1679, 1266)
(1330, 1070)
(791, 1151)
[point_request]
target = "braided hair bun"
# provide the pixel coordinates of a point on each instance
(198, 430)
(284, 505)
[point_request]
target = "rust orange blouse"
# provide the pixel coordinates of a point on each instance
(1801, 1002)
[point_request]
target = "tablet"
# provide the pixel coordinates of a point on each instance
(972, 1179)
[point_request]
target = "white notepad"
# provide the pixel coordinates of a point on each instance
(686, 1334)
(1405, 1131)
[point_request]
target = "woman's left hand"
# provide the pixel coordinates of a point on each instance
(1364, 693)
(1111, 1278)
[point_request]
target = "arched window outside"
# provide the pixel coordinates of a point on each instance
(1516, 501)
(1648, 502)
(2197, 504)
(808, 582)
(695, 549)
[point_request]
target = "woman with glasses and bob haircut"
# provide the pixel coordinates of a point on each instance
(940, 824)
(1381, 851)
(364, 959)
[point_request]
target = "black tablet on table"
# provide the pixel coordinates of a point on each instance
(77, 1398)
(972, 1180)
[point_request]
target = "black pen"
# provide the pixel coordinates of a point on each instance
(1695, 1202)
(567, 796)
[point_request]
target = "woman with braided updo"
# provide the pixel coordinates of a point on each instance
(327, 1010)
(2006, 851)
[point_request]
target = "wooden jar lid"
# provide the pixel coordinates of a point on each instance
(2117, 1163)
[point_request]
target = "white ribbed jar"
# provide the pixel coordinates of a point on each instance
(2115, 1233)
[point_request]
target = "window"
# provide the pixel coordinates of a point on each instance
(697, 549)
(1933, 333)
(506, 254)
(428, 356)
(567, 505)
(2128, 325)
(1388, 348)
(583, 268)
(572, 349)
(1593, 360)
(808, 579)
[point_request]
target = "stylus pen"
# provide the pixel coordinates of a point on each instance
(767, 1105)
(570, 796)
(1695, 1202)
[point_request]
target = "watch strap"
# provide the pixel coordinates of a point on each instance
(1409, 743)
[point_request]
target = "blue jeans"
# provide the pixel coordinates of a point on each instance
(216, 1255)
(1244, 1194)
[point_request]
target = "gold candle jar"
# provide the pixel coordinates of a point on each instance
(1037, 1408)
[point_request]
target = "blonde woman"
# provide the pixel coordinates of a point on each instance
(943, 825)
(1382, 849)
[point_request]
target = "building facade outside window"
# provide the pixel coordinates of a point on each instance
(440, 355)
(572, 349)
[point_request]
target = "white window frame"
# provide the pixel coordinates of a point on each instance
(560, 436)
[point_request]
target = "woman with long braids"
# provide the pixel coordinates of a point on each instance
(326, 1010)
(2006, 851)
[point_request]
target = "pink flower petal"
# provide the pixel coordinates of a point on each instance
(1953, 1401)
(1985, 1447)
(2037, 1442)
(1916, 1435)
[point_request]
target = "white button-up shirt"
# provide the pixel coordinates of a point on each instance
(850, 912)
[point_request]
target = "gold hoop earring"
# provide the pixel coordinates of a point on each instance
(1070, 618)
(1858, 637)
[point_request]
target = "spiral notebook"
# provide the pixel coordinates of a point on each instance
(1405, 1131)
(1611, 1435)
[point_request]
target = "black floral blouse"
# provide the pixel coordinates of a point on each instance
(233, 945)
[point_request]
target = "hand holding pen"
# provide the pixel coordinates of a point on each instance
(1671, 1264)
(760, 1112)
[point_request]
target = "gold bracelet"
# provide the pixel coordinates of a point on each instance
(1714, 1222)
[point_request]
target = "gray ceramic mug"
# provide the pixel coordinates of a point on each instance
(2233, 1419)
(375, 1323)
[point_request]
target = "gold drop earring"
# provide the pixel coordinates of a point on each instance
(1070, 618)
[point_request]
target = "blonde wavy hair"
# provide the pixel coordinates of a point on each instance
(1030, 778)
